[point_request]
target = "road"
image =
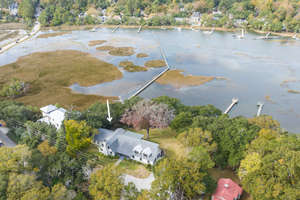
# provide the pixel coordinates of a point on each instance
(6, 141)
(34, 31)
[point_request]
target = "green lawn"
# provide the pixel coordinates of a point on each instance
(168, 142)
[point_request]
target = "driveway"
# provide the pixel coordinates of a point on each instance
(3, 137)
(140, 183)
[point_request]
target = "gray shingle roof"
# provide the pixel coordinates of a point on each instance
(123, 142)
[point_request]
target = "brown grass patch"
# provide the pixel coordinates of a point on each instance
(167, 140)
(9, 35)
(142, 55)
(96, 42)
(12, 26)
(293, 91)
(122, 51)
(130, 67)
(51, 73)
(105, 48)
(47, 35)
(134, 169)
(155, 63)
(178, 80)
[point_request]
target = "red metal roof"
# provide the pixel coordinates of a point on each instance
(227, 190)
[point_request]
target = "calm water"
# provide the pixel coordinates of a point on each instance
(254, 69)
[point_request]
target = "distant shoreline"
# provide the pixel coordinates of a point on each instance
(186, 27)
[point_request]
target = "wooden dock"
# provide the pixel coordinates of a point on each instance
(233, 103)
(260, 107)
(149, 83)
(116, 28)
(155, 77)
(140, 28)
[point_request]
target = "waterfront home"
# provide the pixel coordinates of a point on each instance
(128, 144)
(195, 18)
(227, 190)
(13, 9)
(53, 115)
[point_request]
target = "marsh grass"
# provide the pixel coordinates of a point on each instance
(155, 63)
(142, 55)
(177, 79)
(96, 42)
(130, 67)
(9, 35)
(105, 48)
(122, 51)
(51, 73)
(48, 35)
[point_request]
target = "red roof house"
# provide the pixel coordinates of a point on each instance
(227, 190)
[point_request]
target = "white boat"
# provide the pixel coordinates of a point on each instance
(295, 37)
(93, 30)
(208, 32)
(178, 28)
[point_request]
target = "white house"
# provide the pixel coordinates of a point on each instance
(13, 9)
(53, 115)
(129, 144)
(195, 18)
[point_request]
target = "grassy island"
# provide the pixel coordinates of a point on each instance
(177, 79)
(155, 63)
(47, 35)
(131, 67)
(49, 75)
(96, 42)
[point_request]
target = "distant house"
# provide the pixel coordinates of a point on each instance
(129, 144)
(195, 18)
(180, 19)
(227, 190)
(53, 115)
(13, 9)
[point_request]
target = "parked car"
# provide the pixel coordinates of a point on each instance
(1, 143)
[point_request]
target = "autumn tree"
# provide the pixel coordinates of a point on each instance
(106, 184)
(197, 137)
(46, 149)
(179, 179)
(146, 114)
(271, 168)
(14, 159)
(78, 135)
(265, 121)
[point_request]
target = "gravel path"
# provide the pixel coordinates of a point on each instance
(140, 183)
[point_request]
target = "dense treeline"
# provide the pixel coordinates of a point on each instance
(51, 164)
(271, 15)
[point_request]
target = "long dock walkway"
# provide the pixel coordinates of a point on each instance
(155, 77)
(34, 31)
(114, 30)
(233, 103)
